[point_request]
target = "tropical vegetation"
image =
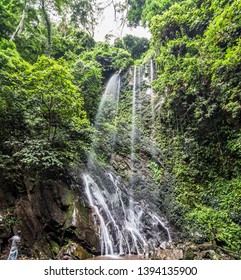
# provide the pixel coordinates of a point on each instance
(53, 74)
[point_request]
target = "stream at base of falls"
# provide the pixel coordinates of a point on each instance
(117, 257)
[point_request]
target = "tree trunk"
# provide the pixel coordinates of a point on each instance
(48, 25)
(20, 26)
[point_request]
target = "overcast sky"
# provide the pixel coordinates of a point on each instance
(108, 25)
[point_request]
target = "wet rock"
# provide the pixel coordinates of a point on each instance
(163, 245)
(189, 254)
(74, 251)
(121, 255)
(167, 254)
(210, 255)
(178, 254)
(189, 251)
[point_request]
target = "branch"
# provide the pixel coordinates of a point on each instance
(106, 5)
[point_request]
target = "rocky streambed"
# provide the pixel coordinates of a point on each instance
(190, 251)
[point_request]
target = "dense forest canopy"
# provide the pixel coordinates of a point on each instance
(53, 73)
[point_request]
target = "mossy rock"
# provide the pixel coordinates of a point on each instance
(81, 253)
(189, 254)
(74, 251)
(54, 247)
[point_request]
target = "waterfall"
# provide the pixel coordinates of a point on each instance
(126, 226)
(152, 109)
(111, 94)
(152, 92)
(133, 117)
(96, 200)
(151, 70)
(105, 120)
(117, 100)
(139, 77)
(118, 94)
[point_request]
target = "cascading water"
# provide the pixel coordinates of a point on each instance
(107, 113)
(152, 109)
(151, 89)
(111, 94)
(126, 226)
(139, 77)
(133, 117)
(118, 94)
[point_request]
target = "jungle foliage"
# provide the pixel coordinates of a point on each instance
(52, 76)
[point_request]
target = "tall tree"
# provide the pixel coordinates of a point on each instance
(136, 45)
(83, 14)
(20, 26)
(48, 25)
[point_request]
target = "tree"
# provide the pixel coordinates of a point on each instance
(12, 103)
(49, 108)
(83, 14)
(135, 10)
(110, 59)
(54, 102)
(89, 80)
(20, 26)
(70, 41)
(25, 20)
(135, 45)
(9, 12)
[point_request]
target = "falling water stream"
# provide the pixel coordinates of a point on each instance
(133, 117)
(111, 94)
(152, 138)
(151, 89)
(126, 226)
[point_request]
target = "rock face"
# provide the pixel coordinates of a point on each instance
(53, 218)
(190, 251)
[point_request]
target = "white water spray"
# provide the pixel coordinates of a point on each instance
(123, 229)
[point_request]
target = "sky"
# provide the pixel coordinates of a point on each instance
(107, 25)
